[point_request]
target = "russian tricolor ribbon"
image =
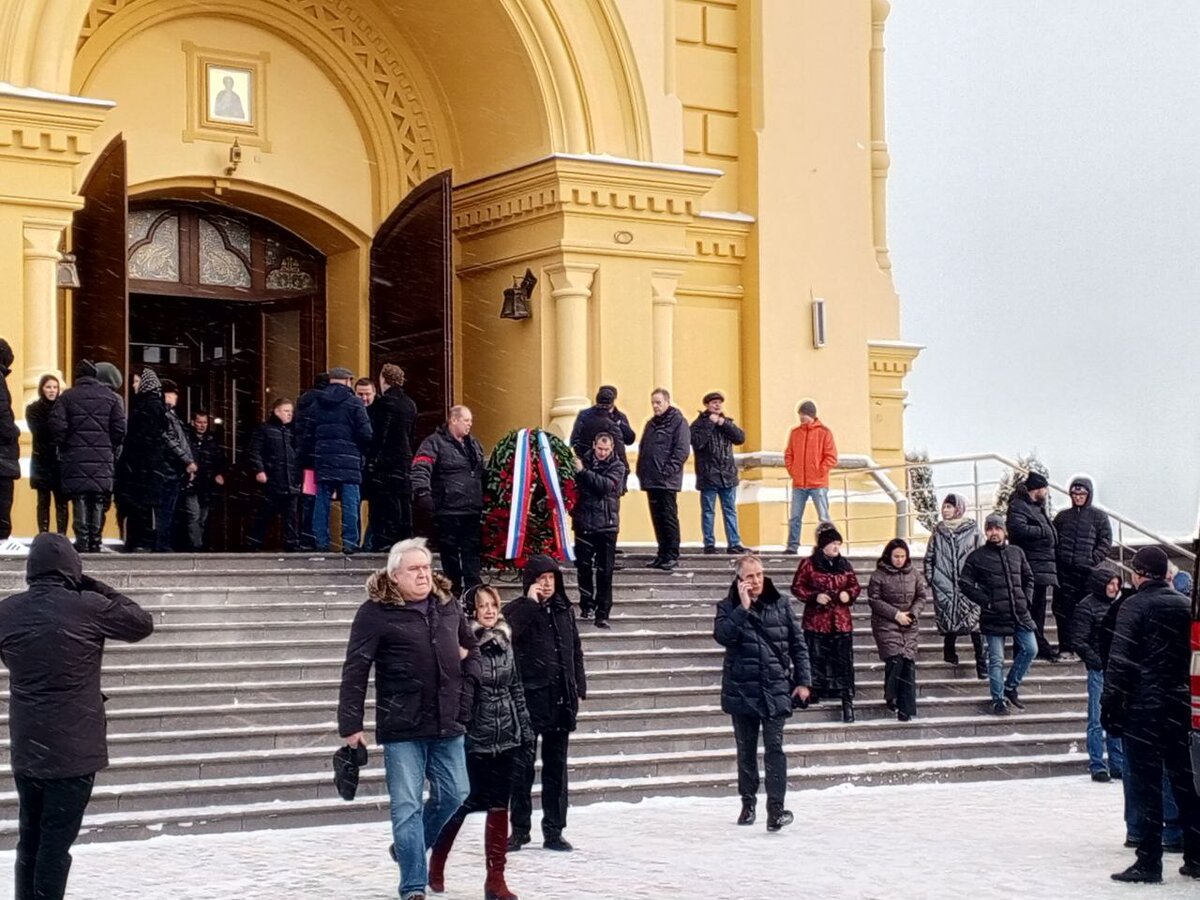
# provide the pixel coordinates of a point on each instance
(522, 496)
(554, 498)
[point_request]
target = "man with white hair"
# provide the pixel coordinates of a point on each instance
(447, 481)
(427, 666)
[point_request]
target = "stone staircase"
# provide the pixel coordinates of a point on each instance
(224, 719)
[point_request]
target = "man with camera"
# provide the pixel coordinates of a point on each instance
(766, 670)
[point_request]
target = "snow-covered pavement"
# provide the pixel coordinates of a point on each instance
(1041, 838)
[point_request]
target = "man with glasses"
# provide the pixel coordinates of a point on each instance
(1084, 539)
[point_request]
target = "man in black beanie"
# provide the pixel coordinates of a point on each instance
(1029, 527)
(1146, 702)
(603, 418)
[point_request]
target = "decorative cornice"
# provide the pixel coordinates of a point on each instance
(720, 239)
(354, 34)
(51, 130)
(891, 358)
(578, 185)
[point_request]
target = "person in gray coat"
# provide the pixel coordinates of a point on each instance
(948, 547)
(898, 595)
(662, 453)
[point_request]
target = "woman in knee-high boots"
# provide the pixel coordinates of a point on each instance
(827, 586)
(499, 727)
(897, 593)
(949, 545)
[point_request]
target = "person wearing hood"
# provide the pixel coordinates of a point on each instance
(997, 578)
(826, 584)
(898, 594)
(52, 638)
(599, 477)
(139, 487)
(948, 547)
(10, 443)
(412, 630)
(87, 424)
(1029, 528)
(336, 437)
(550, 660)
(44, 474)
(662, 453)
(1146, 701)
(765, 673)
(1104, 586)
(390, 458)
(498, 730)
(447, 481)
(1084, 539)
(810, 456)
(273, 461)
(714, 436)
(605, 418)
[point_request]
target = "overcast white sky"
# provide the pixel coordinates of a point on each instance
(1044, 204)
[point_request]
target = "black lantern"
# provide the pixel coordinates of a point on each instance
(516, 298)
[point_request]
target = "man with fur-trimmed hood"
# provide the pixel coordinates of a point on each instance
(550, 660)
(412, 630)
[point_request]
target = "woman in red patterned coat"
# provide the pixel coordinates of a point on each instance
(827, 586)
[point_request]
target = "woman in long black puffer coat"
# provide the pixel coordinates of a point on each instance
(498, 729)
(138, 483)
(10, 447)
(43, 463)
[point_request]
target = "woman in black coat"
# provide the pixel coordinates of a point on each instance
(498, 730)
(10, 447)
(138, 483)
(276, 468)
(43, 464)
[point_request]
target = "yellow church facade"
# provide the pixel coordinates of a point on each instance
(252, 191)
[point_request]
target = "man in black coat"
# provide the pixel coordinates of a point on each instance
(447, 481)
(662, 453)
(1147, 702)
(176, 468)
(997, 578)
(605, 418)
(1084, 539)
(1029, 527)
(599, 478)
(274, 461)
(426, 659)
(714, 435)
(88, 424)
(390, 459)
(550, 660)
(202, 491)
(337, 434)
(52, 641)
(766, 666)
(10, 443)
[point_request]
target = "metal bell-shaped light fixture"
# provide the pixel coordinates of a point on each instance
(516, 298)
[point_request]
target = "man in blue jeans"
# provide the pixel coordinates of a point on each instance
(997, 578)
(1103, 586)
(427, 668)
(714, 435)
(337, 435)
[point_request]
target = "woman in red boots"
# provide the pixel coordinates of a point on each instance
(827, 586)
(499, 727)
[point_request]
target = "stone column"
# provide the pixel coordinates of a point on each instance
(881, 160)
(663, 283)
(40, 344)
(570, 287)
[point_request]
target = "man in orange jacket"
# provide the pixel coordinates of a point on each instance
(809, 456)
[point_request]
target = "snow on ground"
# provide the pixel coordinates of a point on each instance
(1038, 838)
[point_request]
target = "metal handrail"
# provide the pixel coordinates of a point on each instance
(861, 464)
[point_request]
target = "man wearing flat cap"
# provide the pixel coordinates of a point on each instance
(1030, 528)
(714, 435)
(1146, 702)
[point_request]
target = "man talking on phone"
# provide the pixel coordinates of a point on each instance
(766, 670)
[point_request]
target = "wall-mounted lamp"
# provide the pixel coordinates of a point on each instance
(516, 298)
(818, 322)
(235, 157)
(68, 272)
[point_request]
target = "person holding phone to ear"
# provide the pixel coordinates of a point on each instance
(765, 673)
